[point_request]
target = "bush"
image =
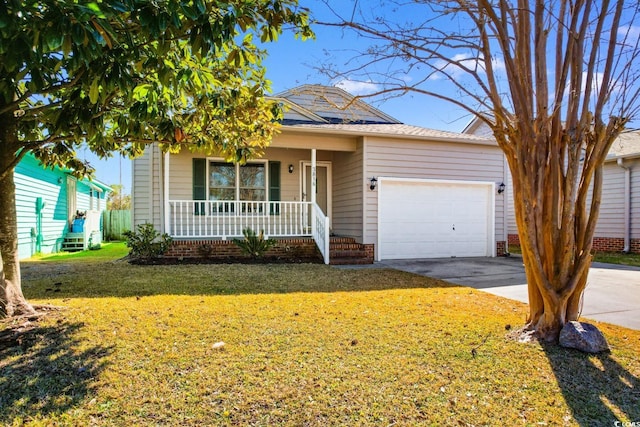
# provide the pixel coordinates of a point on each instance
(254, 245)
(146, 242)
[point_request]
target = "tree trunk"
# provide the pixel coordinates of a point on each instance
(556, 233)
(12, 301)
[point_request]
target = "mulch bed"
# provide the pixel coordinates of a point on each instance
(225, 260)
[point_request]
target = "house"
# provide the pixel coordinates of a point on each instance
(342, 175)
(618, 226)
(56, 211)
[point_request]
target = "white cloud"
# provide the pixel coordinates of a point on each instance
(631, 32)
(356, 87)
(448, 69)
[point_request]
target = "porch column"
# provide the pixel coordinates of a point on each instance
(313, 176)
(166, 210)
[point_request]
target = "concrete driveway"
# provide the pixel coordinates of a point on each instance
(612, 294)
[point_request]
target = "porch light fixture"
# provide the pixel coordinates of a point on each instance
(374, 181)
(290, 168)
(501, 188)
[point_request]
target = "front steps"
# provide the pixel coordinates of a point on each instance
(345, 251)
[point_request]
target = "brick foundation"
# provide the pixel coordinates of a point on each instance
(222, 249)
(501, 248)
(600, 244)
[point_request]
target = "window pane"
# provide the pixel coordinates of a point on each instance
(252, 176)
(252, 194)
(221, 194)
(222, 175)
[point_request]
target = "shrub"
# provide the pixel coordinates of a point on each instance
(254, 245)
(146, 242)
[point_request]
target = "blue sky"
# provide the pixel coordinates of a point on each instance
(292, 63)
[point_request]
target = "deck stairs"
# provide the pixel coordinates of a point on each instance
(73, 242)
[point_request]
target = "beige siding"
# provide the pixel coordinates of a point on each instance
(146, 189)
(140, 194)
(611, 219)
(348, 188)
(635, 200)
(430, 160)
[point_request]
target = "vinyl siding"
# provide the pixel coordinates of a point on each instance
(430, 160)
(33, 181)
(348, 190)
(635, 200)
(611, 218)
(140, 189)
(147, 193)
(146, 190)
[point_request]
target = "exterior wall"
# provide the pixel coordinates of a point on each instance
(430, 160)
(147, 185)
(146, 190)
(609, 234)
(348, 192)
(33, 181)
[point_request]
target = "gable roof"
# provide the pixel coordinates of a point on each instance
(328, 104)
(627, 145)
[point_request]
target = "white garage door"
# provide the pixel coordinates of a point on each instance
(434, 219)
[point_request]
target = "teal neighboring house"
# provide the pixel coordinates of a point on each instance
(56, 212)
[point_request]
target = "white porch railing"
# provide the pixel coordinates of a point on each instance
(320, 229)
(203, 219)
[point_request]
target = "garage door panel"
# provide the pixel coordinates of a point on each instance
(431, 219)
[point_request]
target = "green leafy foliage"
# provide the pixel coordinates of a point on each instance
(146, 242)
(117, 75)
(254, 245)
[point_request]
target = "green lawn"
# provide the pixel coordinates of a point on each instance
(107, 252)
(608, 257)
(303, 345)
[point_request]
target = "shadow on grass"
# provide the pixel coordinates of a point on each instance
(42, 372)
(124, 280)
(597, 388)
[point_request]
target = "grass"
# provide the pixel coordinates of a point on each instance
(107, 252)
(304, 345)
(607, 257)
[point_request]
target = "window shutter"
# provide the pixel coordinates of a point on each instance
(199, 184)
(274, 186)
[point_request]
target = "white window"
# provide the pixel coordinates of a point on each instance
(233, 183)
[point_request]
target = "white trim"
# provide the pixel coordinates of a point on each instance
(490, 185)
(303, 182)
(165, 192)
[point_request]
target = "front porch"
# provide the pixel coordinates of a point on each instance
(223, 220)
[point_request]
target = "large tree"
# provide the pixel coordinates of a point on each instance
(114, 76)
(555, 80)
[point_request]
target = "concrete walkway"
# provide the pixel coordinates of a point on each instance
(612, 294)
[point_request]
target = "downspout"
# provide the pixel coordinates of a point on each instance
(627, 205)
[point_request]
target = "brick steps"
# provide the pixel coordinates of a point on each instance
(345, 251)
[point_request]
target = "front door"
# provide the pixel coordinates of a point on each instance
(322, 186)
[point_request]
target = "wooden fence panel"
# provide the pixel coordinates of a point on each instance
(115, 223)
